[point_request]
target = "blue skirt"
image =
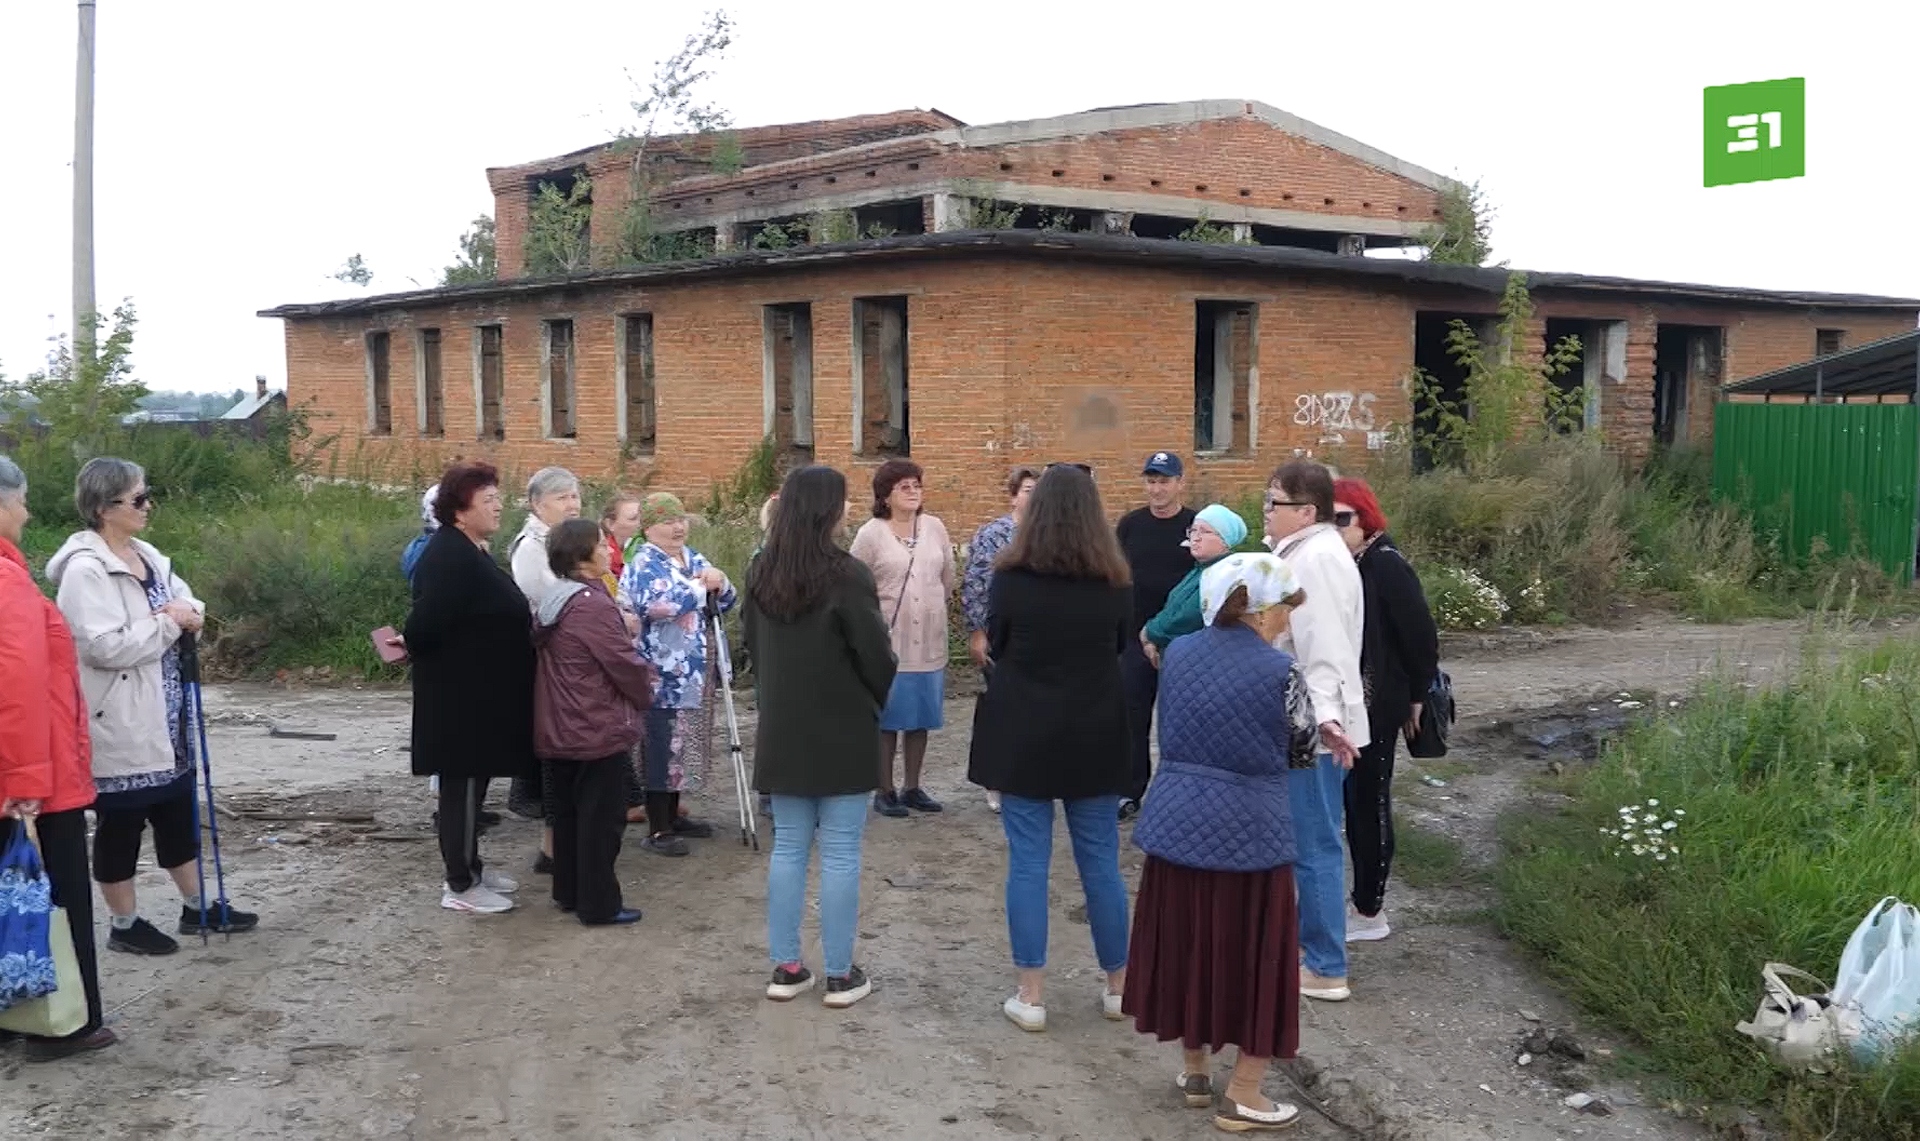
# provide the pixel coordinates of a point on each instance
(917, 701)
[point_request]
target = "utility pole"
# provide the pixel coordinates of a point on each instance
(83, 304)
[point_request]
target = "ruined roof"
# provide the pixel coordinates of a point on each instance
(927, 121)
(1090, 247)
(1879, 368)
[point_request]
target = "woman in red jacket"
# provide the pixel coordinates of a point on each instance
(46, 769)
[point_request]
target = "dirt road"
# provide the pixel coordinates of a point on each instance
(361, 1008)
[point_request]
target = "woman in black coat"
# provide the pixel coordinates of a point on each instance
(1053, 723)
(469, 638)
(1399, 656)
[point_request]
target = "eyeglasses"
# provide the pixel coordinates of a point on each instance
(1272, 503)
(139, 502)
(1343, 518)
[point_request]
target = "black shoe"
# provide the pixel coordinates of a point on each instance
(847, 989)
(1129, 808)
(54, 1049)
(788, 985)
(142, 938)
(619, 918)
(487, 818)
(888, 804)
(664, 844)
(688, 826)
(543, 865)
(919, 801)
(235, 921)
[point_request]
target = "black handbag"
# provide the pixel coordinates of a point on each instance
(1437, 715)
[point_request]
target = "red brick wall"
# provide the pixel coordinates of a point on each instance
(1011, 360)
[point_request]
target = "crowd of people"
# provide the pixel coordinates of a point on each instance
(582, 671)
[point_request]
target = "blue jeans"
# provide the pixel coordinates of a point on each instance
(839, 821)
(1094, 826)
(1318, 800)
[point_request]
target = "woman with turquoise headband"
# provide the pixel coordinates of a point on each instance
(1216, 531)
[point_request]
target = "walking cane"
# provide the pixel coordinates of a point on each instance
(190, 682)
(749, 823)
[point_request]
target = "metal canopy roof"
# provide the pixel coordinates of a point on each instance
(1878, 368)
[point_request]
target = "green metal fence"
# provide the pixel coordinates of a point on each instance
(1846, 474)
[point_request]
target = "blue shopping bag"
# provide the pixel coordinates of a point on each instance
(27, 968)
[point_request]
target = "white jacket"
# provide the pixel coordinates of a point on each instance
(121, 642)
(527, 555)
(1323, 635)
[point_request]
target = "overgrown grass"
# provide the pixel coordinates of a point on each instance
(1425, 858)
(1802, 806)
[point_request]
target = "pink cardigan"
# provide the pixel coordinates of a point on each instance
(918, 621)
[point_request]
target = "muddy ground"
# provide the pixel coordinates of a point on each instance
(360, 1008)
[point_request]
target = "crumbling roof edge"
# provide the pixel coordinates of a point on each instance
(1094, 246)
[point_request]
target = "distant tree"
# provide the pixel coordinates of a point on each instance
(355, 272)
(1464, 234)
(83, 400)
(477, 261)
(670, 103)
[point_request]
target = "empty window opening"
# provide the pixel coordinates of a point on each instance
(787, 396)
(1827, 342)
(639, 423)
(556, 378)
(379, 384)
(1223, 376)
(1578, 405)
(881, 394)
(433, 397)
(489, 381)
(1448, 378)
(562, 228)
(886, 219)
(1686, 372)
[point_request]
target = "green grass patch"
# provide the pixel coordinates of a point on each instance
(1801, 808)
(1425, 859)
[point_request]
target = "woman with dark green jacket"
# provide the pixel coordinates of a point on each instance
(824, 663)
(1216, 531)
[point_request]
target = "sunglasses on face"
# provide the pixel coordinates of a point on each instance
(139, 502)
(1272, 502)
(1343, 518)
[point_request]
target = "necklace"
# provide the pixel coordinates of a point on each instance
(908, 541)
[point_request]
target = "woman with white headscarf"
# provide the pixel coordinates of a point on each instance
(1214, 960)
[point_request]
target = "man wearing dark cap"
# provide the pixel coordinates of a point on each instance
(1154, 538)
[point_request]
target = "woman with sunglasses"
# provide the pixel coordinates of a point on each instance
(128, 612)
(1399, 655)
(1215, 532)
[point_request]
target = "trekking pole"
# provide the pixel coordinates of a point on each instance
(749, 823)
(196, 710)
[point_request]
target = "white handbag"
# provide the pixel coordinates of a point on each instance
(1801, 1031)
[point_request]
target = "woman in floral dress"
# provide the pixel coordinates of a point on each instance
(670, 584)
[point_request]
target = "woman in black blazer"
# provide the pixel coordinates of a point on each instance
(469, 637)
(1053, 723)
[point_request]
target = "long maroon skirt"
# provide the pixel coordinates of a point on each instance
(1215, 959)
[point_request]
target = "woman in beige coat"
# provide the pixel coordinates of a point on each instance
(128, 611)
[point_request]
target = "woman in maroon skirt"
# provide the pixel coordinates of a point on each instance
(1214, 959)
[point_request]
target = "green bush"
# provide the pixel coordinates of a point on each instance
(1795, 813)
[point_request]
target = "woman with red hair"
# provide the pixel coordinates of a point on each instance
(1399, 655)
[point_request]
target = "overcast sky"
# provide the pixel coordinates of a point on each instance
(243, 151)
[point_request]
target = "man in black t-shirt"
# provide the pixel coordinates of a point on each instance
(1154, 538)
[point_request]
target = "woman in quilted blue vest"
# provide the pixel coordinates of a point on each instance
(1215, 956)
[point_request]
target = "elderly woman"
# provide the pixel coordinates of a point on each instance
(1215, 957)
(912, 563)
(1216, 530)
(553, 495)
(672, 586)
(1399, 656)
(469, 637)
(1052, 725)
(44, 770)
(410, 557)
(128, 612)
(586, 717)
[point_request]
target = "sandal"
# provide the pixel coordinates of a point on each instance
(1198, 1089)
(1233, 1117)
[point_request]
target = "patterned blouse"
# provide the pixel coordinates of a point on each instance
(183, 755)
(987, 544)
(669, 598)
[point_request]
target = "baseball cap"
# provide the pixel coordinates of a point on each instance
(1163, 463)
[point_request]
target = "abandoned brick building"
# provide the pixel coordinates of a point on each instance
(980, 296)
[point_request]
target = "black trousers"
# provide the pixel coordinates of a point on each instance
(1369, 798)
(589, 817)
(1142, 682)
(460, 830)
(63, 850)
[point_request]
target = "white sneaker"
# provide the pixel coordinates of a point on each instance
(1110, 1006)
(496, 882)
(477, 898)
(993, 800)
(1025, 1015)
(1366, 928)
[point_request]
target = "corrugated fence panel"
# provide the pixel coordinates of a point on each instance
(1839, 474)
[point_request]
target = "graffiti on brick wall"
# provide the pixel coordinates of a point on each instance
(1334, 411)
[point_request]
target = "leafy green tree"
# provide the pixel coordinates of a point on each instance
(83, 399)
(559, 227)
(669, 104)
(477, 261)
(1464, 234)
